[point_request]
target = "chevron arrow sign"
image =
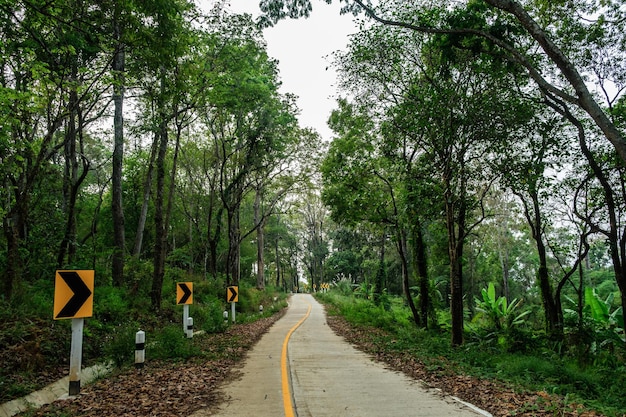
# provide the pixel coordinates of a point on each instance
(73, 294)
(184, 293)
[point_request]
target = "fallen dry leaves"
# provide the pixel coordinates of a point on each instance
(181, 388)
(166, 388)
(494, 397)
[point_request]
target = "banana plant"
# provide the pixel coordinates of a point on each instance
(600, 310)
(498, 309)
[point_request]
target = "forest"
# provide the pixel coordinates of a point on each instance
(476, 173)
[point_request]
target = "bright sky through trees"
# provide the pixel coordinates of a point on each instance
(303, 48)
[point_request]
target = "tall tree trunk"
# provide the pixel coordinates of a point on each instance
(554, 327)
(71, 179)
(505, 266)
(455, 223)
(119, 237)
(616, 238)
(160, 232)
(70, 175)
(147, 189)
(402, 251)
(380, 273)
(260, 242)
(232, 259)
(279, 270)
(421, 268)
(12, 225)
(170, 196)
(213, 233)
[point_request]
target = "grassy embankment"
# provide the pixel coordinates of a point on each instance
(35, 349)
(519, 359)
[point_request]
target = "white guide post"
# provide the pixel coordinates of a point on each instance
(140, 348)
(189, 327)
(76, 355)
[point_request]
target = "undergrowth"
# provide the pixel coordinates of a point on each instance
(35, 349)
(536, 368)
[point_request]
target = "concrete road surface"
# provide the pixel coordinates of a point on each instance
(302, 368)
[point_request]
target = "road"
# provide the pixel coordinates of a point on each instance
(302, 368)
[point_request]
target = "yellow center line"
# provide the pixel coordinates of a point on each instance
(283, 368)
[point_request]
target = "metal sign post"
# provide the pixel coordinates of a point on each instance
(185, 318)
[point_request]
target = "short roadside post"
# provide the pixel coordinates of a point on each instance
(140, 349)
(73, 299)
(185, 319)
(189, 327)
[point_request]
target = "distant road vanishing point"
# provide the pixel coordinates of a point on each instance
(302, 368)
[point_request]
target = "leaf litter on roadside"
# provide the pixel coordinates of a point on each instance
(166, 388)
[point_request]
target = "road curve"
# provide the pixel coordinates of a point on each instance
(323, 375)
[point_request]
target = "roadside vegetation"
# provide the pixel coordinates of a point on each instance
(511, 354)
(476, 169)
(36, 349)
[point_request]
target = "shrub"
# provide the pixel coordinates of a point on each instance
(344, 286)
(171, 343)
(120, 345)
(209, 316)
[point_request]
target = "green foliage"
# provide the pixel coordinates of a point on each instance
(501, 314)
(171, 343)
(208, 316)
(110, 304)
(525, 359)
(365, 290)
(599, 310)
(344, 287)
(120, 345)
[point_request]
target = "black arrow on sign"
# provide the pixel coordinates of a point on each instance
(186, 291)
(81, 294)
(233, 294)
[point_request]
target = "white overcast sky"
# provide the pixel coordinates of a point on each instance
(303, 48)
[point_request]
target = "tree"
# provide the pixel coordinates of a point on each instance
(249, 124)
(363, 186)
(174, 71)
(118, 66)
(511, 35)
(313, 216)
(39, 90)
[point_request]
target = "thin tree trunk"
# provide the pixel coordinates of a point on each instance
(72, 181)
(421, 267)
(260, 242)
(70, 176)
(455, 223)
(547, 294)
(279, 270)
(119, 237)
(402, 251)
(213, 238)
(147, 189)
(232, 258)
(160, 237)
